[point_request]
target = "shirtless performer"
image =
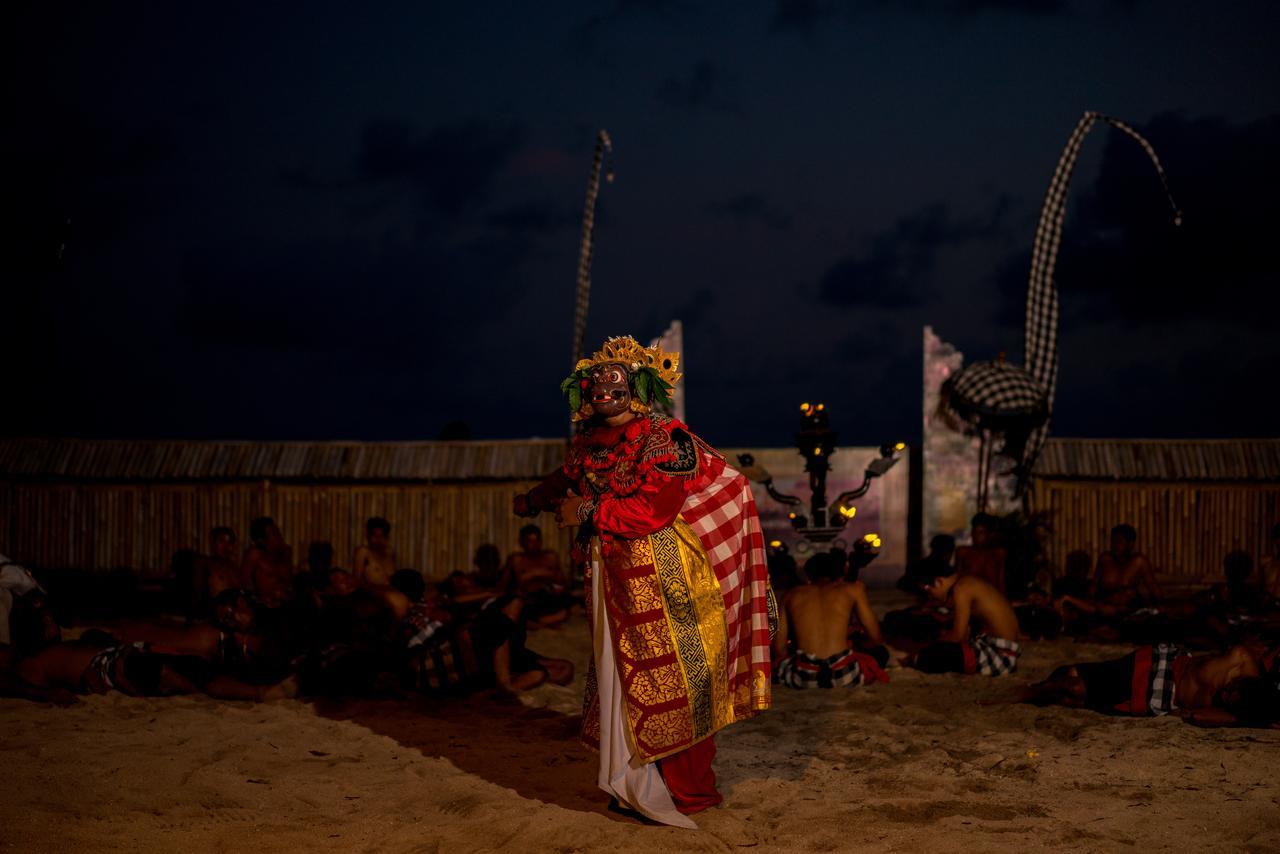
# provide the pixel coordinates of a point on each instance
(375, 562)
(1207, 690)
(220, 570)
(268, 563)
(983, 559)
(818, 616)
(79, 667)
(992, 652)
(1124, 576)
(534, 574)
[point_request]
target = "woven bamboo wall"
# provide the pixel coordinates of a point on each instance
(1185, 529)
(103, 526)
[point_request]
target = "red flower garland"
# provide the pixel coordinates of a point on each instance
(620, 467)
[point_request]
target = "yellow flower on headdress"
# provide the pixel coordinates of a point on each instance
(652, 372)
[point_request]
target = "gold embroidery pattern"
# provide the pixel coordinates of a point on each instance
(683, 622)
(659, 684)
(641, 595)
(636, 554)
(644, 641)
(671, 727)
(708, 601)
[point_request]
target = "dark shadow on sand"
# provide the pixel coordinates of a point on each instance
(535, 752)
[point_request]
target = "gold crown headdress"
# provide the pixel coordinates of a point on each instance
(652, 371)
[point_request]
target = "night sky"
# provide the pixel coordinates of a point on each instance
(342, 223)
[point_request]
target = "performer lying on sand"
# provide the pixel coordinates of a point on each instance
(100, 665)
(818, 616)
(992, 652)
(1208, 690)
(676, 583)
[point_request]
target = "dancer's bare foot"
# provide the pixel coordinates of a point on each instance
(525, 681)
(559, 670)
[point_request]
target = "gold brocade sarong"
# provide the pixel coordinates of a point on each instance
(667, 620)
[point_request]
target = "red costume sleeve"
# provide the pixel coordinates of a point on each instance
(651, 508)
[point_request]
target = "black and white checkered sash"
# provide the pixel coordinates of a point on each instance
(1040, 339)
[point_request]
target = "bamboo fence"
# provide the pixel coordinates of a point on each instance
(105, 526)
(1185, 529)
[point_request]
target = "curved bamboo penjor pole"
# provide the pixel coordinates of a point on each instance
(604, 146)
(1041, 332)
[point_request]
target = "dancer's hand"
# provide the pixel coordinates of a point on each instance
(520, 505)
(567, 512)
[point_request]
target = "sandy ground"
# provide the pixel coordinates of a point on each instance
(916, 765)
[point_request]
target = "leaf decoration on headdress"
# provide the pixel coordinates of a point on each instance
(642, 384)
(572, 386)
(651, 386)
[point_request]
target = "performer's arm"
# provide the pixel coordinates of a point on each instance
(544, 496)
(653, 507)
(959, 631)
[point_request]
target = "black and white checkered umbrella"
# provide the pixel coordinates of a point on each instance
(999, 403)
(996, 396)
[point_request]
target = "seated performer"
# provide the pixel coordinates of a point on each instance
(268, 564)
(1162, 679)
(219, 570)
(983, 559)
(535, 574)
(488, 571)
(993, 651)
(817, 616)
(677, 584)
(1124, 578)
(375, 562)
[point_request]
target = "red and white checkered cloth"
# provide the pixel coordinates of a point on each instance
(723, 513)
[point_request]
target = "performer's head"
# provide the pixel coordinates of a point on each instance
(610, 390)
(531, 538)
(619, 378)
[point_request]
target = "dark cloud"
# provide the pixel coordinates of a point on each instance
(698, 309)
(975, 7)
(752, 208)
(895, 269)
(701, 89)
(805, 16)
(1122, 257)
(333, 297)
(532, 217)
(452, 166)
(624, 6)
(800, 15)
(302, 178)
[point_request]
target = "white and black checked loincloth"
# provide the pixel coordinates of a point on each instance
(802, 670)
(1163, 687)
(994, 656)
